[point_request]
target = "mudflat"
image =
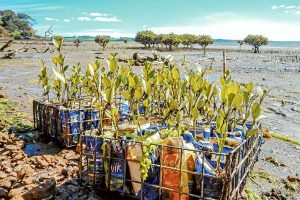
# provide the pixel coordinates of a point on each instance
(274, 69)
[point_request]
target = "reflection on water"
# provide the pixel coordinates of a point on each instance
(38, 149)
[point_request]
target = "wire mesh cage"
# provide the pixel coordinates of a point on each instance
(64, 125)
(176, 172)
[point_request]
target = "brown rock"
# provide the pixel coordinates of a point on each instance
(5, 184)
(28, 180)
(266, 133)
(71, 156)
(16, 192)
(2, 175)
(45, 190)
(26, 171)
(2, 94)
(11, 148)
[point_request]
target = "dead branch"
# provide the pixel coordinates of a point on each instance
(8, 44)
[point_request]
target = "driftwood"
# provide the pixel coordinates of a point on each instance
(139, 60)
(12, 53)
(39, 51)
(8, 44)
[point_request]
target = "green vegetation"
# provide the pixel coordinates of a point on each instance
(185, 100)
(251, 195)
(102, 40)
(77, 42)
(15, 25)
(171, 41)
(188, 40)
(285, 138)
(264, 175)
(146, 38)
(256, 41)
(9, 117)
(240, 42)
(204, 41)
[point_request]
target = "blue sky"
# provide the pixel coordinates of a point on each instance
(227, 19)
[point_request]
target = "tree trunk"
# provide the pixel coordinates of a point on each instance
(256, 49)
(204, 49)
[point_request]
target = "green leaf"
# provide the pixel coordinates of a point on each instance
(57, 60)
(159, 78)
(138, 93)
(113, 65)
(175, 73)
(106, 82)
(249, 87)
(125, 94)
(255, 110)
(131, 81)
(59, 75)
(108, 95)
(179, 116)
(90, 70)
(58, 41)
(252, 133)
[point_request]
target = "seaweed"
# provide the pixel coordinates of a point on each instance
(10, 117)
(251, 194)
(285, 138)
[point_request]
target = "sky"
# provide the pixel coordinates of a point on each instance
(222, 19)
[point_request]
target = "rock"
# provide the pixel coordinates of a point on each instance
(73, 188)
(293, 179)
(2, 94)
(64, 172)
(5, 184)
(16, 192)
(3, 193)
(62, 196)
(45, 190)
(12, 148)
(94, 197)
(26, 171)
(71, 156)
(2, 175)
(41, 163)
(84, 197)
(266, 133)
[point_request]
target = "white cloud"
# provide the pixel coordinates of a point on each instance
(297, 13)
(67, 20)
(84, 19)
(290, 7)
(51, 19)
(93, 32)
(287, 9)
(238, 28)
(96, 14)
(107, 19)
(29, 7)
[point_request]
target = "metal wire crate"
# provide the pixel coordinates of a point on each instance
(108, 170)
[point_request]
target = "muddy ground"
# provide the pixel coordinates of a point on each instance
(274, 69)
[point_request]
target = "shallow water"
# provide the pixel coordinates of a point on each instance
(37, 149)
